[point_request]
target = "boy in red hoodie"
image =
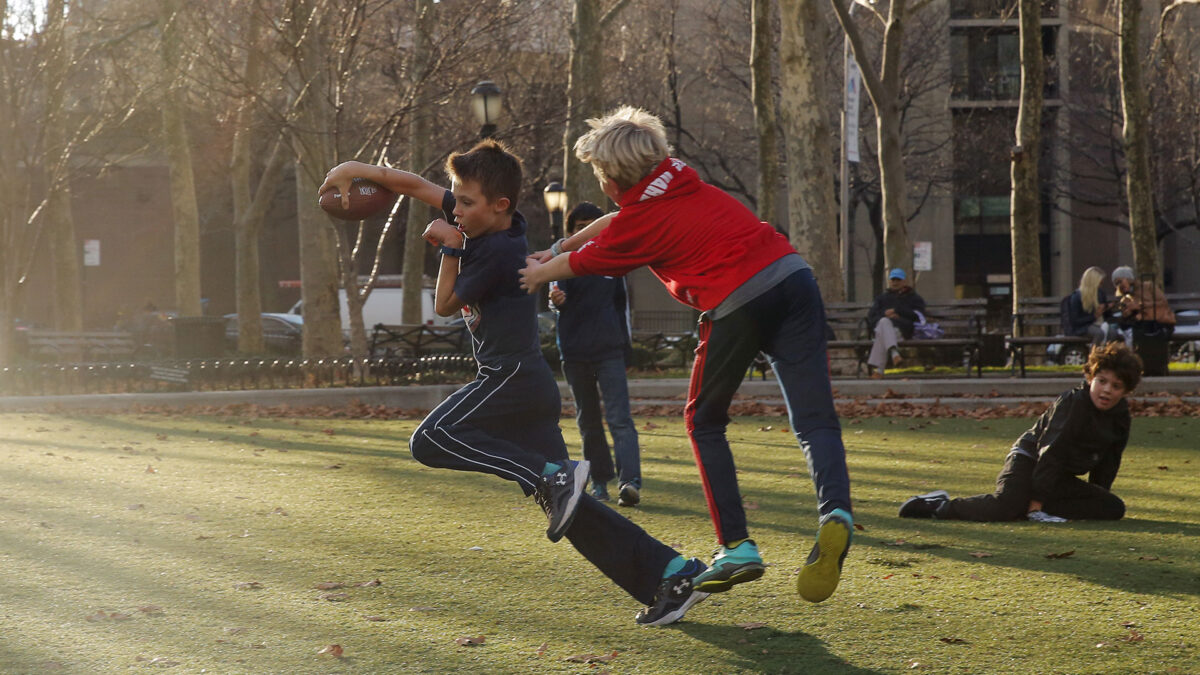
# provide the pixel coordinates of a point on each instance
(756, 294)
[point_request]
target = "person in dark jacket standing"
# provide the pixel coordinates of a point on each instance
(892, 315)
(1084, 431)
(593, 339)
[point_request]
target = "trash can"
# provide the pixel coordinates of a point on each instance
(991, 350)
(199, 337)
(1151, 341)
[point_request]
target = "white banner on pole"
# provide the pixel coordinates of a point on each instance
(922, 256)
(853, 88)
(91, 252)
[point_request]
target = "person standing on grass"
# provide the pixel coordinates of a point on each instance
(1083, 432)
(892, 315)
(594, 341)
(756, 294)
(505, 422)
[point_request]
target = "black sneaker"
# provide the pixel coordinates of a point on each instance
(559, 494)
(923, 506)
(675, 596)
(629, 495)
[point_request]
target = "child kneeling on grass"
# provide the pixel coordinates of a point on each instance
(1084, 431)
(505, 422)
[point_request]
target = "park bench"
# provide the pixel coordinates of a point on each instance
(78, 347)
(419, 340)
(1038, 323)
(962, 321)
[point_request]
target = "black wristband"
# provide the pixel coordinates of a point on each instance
(452, 252)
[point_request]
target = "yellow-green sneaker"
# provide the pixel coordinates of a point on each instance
(731, 566)
(820, 575)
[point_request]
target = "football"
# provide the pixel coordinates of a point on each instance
(367, 198)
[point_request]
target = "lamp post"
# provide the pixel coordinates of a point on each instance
(485, 103)
(556, 203)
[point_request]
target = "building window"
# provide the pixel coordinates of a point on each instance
(995, 9)
(986, 63)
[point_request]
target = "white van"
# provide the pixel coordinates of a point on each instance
(384, 306)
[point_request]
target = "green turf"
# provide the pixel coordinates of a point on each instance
(183, 544)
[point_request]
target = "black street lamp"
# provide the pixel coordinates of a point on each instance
(485, 103)
(556, 203)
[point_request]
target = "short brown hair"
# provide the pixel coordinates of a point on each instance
(1118, 358)
(493, 166)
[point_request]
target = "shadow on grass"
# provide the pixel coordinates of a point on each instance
(767, 650)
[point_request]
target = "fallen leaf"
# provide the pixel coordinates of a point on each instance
(151, 469)
(334, 466)
(1128, 624)
(470, 641)
(328, 432)
(766, 428)
(423, 609)
(1134, 636)
(247, 585)
(888, 576)
(371, 617)
(151, 609)
(541, 650)
(981, 554)
(135, 507)
(368, 584)
(1163, 468)
(334, 597)
(952, 640)
(329, 586)
(1148, 558)
(1065, 554)
(859, 527)
(333, 650)
(753, 625)
(102, 615)
(751, 506)
(650, 425)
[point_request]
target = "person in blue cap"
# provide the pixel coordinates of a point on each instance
(892, 315)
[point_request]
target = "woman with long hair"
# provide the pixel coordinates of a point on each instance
(1085, 311)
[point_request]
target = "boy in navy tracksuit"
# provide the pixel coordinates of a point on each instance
(505, 422)
(756, 294)
(593, 339)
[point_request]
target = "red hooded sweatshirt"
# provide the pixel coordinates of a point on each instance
(699, 241)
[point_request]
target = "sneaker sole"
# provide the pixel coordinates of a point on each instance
(740, 575)
(672, 617)
(581, 477)
(819, 579)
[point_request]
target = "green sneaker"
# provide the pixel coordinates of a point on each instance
(730, 567)
(820, 575)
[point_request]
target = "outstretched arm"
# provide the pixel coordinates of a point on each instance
(400, 182)
(577, 240)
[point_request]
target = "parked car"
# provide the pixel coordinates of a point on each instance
(1188, 327)
(282, 333)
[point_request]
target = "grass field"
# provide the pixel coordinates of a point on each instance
(154, 543)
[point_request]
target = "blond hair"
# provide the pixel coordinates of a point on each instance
(624, 146)
(1089, 288)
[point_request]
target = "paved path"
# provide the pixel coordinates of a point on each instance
(952, 392)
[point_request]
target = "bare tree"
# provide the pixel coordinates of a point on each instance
(1025, 223)
(60, 225)
(585, 90)
(1134, 135)
(811, 207)
(883, 85)
(762, 91)
(177, 144)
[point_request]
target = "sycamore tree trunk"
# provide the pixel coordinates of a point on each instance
(1134, 136)
(179, 157)
(60, 226)
(1025, 224)
(250, 210)
(418, 142)
(883, 87)
(811, 208)
(313, 155)
(585, 88)
(762, 91)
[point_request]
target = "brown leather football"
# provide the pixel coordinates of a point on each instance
(367, 198)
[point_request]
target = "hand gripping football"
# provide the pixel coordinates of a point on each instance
(367, 198)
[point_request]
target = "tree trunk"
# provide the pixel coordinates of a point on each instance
(762, 91)
(1134, 133)
(811, 207)
(179, 157)
(1025, 224)
(419, 133)
(313, 152)
(60, 226)
(585, 85)
(249, 214)
(883, 86)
